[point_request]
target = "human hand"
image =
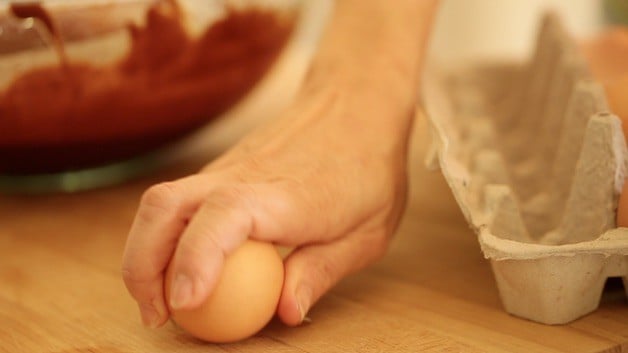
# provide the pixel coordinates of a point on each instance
(327, 178)
(333, 192)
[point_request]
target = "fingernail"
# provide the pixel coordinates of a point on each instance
(150, 316)
(182, 288)
(303, 296)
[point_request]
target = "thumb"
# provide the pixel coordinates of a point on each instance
(313, 270)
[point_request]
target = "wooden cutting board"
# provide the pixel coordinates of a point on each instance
(61, 289)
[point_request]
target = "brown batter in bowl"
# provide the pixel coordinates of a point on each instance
(75, 114)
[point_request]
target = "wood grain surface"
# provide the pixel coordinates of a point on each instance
(61, 289)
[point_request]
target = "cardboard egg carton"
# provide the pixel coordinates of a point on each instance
(536, 162)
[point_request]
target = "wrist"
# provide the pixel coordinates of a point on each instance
(370, 61)
(371, 96)
(359, 115)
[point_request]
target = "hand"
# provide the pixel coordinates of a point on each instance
(327, 178)
(305, 182)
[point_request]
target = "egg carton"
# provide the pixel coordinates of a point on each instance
(536, 163)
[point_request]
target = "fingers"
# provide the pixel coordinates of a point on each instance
(227, 217)
(162, 216)
(223, 222)
(192, 224)
(313, 270)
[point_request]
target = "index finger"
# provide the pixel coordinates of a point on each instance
(161, 219)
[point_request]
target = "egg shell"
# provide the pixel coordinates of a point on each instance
(244, 299)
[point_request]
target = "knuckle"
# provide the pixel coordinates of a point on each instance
(134, 271)
(132, 280)
(140, 288)
(159, 200)
(129, 276)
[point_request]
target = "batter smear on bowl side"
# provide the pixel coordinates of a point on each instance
(77, 114)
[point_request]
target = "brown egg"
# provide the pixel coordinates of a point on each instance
(617, 94)
(244, 299)
(607, 54)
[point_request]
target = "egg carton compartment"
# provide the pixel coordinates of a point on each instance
(536, 162)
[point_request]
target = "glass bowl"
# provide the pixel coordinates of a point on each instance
(87, 85)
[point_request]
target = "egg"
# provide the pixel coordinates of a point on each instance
(607, 53)
(244, 299)
(617, 94)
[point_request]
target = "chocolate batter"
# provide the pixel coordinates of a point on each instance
(77, 115)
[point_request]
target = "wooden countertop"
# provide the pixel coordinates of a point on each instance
(61, 290)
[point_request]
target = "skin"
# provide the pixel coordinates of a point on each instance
(328, 176)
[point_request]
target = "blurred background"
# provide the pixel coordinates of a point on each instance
(465, 30)
(474, 29)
